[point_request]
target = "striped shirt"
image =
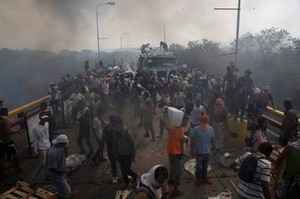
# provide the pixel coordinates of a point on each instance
(263, 173)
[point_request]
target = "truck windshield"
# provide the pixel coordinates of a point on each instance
(161, 62)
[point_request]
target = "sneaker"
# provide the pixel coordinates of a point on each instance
(115, 180)
(198, 182)
(177, 193)
(208, 181)
(146, 135)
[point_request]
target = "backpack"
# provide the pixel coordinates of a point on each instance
(248, 168)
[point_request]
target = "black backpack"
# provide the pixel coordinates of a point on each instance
(248, 168)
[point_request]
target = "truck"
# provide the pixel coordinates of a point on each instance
(156, 61)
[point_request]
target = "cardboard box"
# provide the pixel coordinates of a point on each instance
(174, 116)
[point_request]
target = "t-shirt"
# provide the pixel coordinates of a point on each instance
(253, 190)
(245, 85)
(202, 139)
(175, 138)
(105, 88)
(179, 99)
(40, 137)
(97, 126)
(264, 99)
(75, 98)
(56, 158)
(196, 114)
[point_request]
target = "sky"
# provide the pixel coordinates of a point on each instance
(56, 25)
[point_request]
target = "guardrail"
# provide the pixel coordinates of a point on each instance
(275, 117)
(33, 104)
(19, 120)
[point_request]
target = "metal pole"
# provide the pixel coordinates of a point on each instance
(121, 43)
(164, 33)
(97, 33)
(237, 31)
(238, 9)
(97, 23)
(126, 33)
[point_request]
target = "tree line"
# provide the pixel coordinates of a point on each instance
(272, 54)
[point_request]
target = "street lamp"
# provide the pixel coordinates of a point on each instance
(164, 25)
(97, 14)
(125, 33)
(238, 9)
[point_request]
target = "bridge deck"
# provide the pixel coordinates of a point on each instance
(95, 182)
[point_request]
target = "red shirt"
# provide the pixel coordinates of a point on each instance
(175, 139)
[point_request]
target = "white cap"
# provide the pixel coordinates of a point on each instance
(62, 138)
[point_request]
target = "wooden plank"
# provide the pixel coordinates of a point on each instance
(9, 191)
(21, 193)
(32, 197)
(9, 196)
(24, 191)
(44, 194)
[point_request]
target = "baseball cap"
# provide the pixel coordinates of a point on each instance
(62, 138)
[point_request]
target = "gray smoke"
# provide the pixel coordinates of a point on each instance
(71, 24)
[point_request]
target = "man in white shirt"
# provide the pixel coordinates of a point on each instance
(40, 143)
(75, 98)
(179, 100)
(97, 130)
(105, 90)
(259, 187)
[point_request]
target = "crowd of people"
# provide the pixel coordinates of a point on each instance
(206, 100)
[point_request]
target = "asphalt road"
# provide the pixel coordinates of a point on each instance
(91, 182)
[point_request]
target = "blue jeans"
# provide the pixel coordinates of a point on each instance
(60, 181)
(201, 166)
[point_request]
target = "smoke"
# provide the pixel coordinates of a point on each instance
(49, 25)
(71, 24)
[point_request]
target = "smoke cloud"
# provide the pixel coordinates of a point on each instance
(71, 24)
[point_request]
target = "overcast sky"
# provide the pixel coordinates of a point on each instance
(71, 24)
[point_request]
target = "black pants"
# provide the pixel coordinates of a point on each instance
(113, 162)
(125, 164)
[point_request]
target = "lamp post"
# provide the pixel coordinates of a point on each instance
(97, 23)
(164, 25)
(125, 33)
(238, 9)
